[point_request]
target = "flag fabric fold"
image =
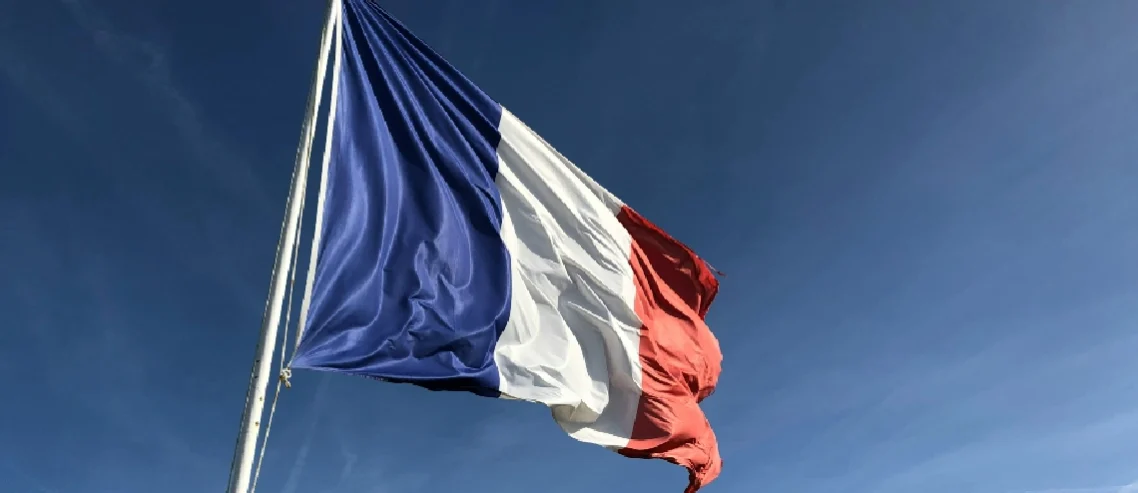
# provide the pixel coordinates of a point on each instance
(460, 251)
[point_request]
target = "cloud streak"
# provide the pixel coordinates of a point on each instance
(23, 77)
(293, 481)
(148, 62)
(1126, 488)
(36, 484)
(203, 243)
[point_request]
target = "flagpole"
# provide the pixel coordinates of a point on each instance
(245, 451)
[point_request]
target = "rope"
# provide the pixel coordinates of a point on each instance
(284, 373)
(284, 365)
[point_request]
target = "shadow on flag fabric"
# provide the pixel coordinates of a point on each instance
(460, 251)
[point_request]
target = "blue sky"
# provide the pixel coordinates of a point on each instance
(925, 211)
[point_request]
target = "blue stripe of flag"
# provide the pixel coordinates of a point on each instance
(413, 281)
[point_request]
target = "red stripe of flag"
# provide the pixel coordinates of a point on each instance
(679, 356)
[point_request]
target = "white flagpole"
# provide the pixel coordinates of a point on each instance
(242, 467)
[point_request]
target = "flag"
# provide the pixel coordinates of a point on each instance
(460, 251)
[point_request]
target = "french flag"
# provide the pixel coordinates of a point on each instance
(457, 250)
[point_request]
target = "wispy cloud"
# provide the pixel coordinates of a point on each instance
(1126, 488)
(36, 485)
(350, 459)
(298, 465)
(21, 75)
(113, 346)
(976, 416)
(140, 63)
(146, 60)
(113, 389)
